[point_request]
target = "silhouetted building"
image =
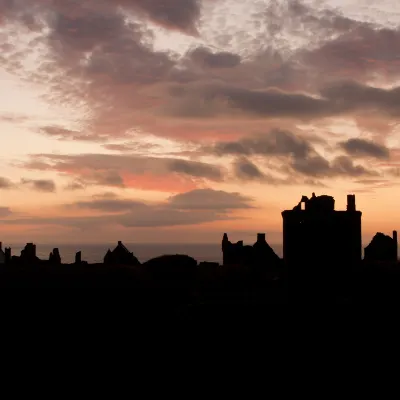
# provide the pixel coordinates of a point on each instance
(2, 254)
(78, 257)
(55, 257)
(120, 255)
(314, 232)
(7, 252)
(260, 253)
(382, 248)
(28, 254)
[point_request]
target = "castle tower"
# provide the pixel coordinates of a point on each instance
(319, 234)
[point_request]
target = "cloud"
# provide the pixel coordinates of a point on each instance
(68, 134)
(208, 199)
(208, 59)
(109, 205)
(350, 96)
(298, 153)
(75, 186)
(248, 171)
(131, 147)
(345, 166)
(276, 142)
(227, 100)
(168, 218)
(317, 166)
(41, 185)
(5, 212)
(116, 170)
(314, 165)
(335, 99)
(173, 14)
(106, 178)
(105, 195)
(361, 53)
(192, 208)
(5, 183)
(362, 148)
(196, 169)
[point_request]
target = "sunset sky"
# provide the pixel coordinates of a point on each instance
(179, 120)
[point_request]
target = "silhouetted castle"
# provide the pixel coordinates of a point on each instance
(120, 256)
(314, 232)
(382, 248)
(54, 257)
(260, 253)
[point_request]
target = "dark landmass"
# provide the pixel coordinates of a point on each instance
(178, 281)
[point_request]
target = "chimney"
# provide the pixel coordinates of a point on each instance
(119, 243)
(1, 246)
(351, 202)
(260, 237)
(395, 244)
(8, 254)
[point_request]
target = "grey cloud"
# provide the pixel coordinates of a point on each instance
(274, 103)
(103, 48)
(344, 166)
(175, 14)
(5, 183)
(301, 157)
(130, 147)
(108, 169)
(337, 98)
(105, 195)
(198, 199)
(14, 118)
(314, 165)
(350, 96)
(68, 134)
(317, 166)
(296, 17)
(75, 186)
(364, 51)
(191, 208)
(196, 169)
(41, 185)
(85, 30)
(167, 217)
(205, 57)
(17, 11)
(106, 178)
(362, 147)
(332, 99)
(276, 142)
(209, 199)
(109, 205)
(246, 170)
(5, 212)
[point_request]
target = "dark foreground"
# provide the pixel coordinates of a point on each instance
(187, 285)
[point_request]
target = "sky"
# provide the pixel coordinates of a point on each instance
(178, 120)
